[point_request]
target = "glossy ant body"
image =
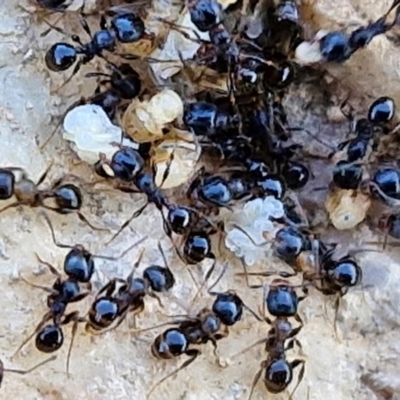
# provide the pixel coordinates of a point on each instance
(67, 197)
(79, 268)
(282, 302)
(123, 28)
(348, 173)
(209, 325)
(339, 47)
(113, 306)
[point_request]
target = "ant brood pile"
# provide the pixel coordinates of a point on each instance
(210, 123)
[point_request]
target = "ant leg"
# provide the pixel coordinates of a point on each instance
(135, 267)
(74, 72)
(86, 27)
(48, 316)
(295, 331)
(336, 306)
(207, 277)
(12, 205)
(45, 288)
(45, 173)
(193, 354)
(50, 225)
(128, 221)
(108, 288)
(258, 342)
(24, 372)
(74, 316)
(52, 269)
(256, 379)
(294, 364)
(88, 223)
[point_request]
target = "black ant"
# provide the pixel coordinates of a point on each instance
(209, 325)
(282, 303)
(339, 47)
(123, 28)
(79, 268)
(54, 5)
(348, 173)
(67, 197)
(115, 304)
(21, 371)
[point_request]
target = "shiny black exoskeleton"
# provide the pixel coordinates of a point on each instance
(124, 84)
(295, 174)
(205, 119)
(338, 47)
(276, 371)
(289, 243)
(381, 111)
(386, 185)
(270, 185)
(347, 175)
(7, 184)
(50, 337)
(79, 264)
(205, 14)
(113, 304)
(282, 299)
(54, 5)
(125, 164)
(337, 276)
(228, 307)
(390, 224)
(197, 248)
(125, 28)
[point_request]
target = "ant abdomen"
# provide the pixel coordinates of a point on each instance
(7, 183)
(171, 343)
(160, 279)
(60, 57)
(49, 339)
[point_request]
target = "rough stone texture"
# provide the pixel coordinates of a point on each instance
(360, 362)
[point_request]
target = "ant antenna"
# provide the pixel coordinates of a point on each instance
(68, 246)
(21, 371)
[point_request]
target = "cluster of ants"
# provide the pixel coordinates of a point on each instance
(246, 131)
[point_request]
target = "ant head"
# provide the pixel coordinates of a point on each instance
(103, 313)
(282, 300)
(126, 81)
(128, 27)
(278, 375)
(296, 175)
(170, 343)
(345, 273)
(49, 339)
(179, 219)
(60, 57)
(289, 243)
(79, 264)
(126, 163)
(159, 278)
(335, 47)
(382, 111)
(7, 182)
(386, 184)
(68, 197)
(197, 247)
(347, 175)
(228, 307)
(205, 14)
